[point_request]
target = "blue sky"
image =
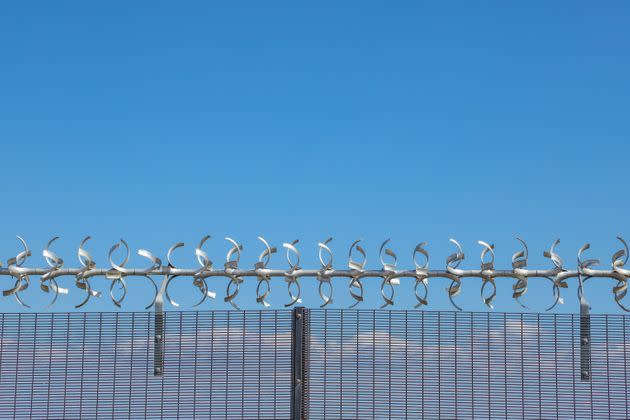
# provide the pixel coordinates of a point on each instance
(161, 122)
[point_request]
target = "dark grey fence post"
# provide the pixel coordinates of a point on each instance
(158, 341)
(299, 344)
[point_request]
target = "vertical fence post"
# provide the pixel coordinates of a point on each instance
(299, 344)
(158, 341)
(585, 341)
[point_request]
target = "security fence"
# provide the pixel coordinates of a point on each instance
(313, 363)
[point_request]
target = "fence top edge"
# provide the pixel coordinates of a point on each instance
(236, 314)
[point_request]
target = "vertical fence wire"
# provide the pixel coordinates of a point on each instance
(355, 364)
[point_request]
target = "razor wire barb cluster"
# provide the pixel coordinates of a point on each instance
(389, 273)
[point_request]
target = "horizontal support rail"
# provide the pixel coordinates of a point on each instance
(183, 272)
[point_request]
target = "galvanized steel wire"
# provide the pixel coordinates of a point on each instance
(389, 273)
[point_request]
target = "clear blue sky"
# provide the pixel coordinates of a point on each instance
(160, 122)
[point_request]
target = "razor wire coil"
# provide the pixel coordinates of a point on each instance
(118, 272)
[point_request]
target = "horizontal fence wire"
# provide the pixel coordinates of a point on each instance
(219, 364)
(417, 364)
(358, 364)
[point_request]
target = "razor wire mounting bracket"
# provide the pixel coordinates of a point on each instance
(585, 314)
(159, 330)
(585, 342)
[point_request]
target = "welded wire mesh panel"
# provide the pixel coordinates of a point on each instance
(223, 364)
(358, 364)
(415, 364)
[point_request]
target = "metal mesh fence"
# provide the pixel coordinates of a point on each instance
(410, 364)
(356, 364)
(223, 364)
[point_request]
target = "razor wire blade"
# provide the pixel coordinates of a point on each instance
(389, 273)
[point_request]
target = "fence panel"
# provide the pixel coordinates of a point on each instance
(410, 364)
(223, 364)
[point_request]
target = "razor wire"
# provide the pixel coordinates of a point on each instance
(390, 275)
